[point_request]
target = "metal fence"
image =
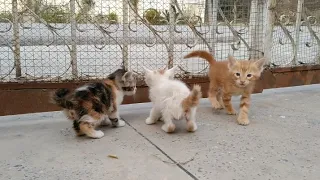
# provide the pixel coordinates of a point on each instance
(63, 40)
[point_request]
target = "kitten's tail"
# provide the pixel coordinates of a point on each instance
(59, 98)
(202, 54)
(193, 99)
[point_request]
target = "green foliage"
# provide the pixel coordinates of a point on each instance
(166, 14)
(135, 3)
(154, 17)
(5, 16)
(89, 3)
(101, 19)
(33, 5)
(83, 18)
(194, 20)
(178, 19)
(50, 15)
(55, 14)
(227, 6)
(87, 6)
(111, 18)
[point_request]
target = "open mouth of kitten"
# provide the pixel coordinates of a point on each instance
(127, 88)
(241, 85)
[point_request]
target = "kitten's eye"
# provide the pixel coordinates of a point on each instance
(237, 74)
(249, 75)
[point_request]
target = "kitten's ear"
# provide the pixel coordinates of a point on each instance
(127, 76)
(260, 63)
(174, 68)
(232, 61)
(171, 71)
(146, 70)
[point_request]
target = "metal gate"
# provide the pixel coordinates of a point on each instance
(46, 44)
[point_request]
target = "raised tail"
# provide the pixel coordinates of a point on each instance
(60, 98)
(202, 54)
(193, 99)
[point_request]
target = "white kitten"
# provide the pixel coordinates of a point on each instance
(171, 99)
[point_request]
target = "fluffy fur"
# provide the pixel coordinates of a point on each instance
(97, 103)
(171, 99)
(229, 78)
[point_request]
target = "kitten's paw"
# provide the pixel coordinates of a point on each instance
(106, 122)
(232, 112)
(221, 104)
(121, 123)
(96, 134)
(150, 121)
(80, 133)
(191, 126)
(243, 121)
(217, 105)
(169, 128)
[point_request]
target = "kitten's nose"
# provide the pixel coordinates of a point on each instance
(242, 82)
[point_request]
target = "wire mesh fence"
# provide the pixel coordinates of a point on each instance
(296, 33)
(63, 40)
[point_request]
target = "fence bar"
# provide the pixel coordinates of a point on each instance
(171, 33)
(73, 52)
(297, 30)
(255, 29)
(268, 10)
(212, 21)
(125, 25)
(16, 38)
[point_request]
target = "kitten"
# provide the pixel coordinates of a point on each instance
(171, 99)
(96, 103)
(230, 78)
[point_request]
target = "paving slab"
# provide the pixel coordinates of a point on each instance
(282, 141)
(43, 146)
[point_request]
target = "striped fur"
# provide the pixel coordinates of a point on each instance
(96, 103)
(229, 78)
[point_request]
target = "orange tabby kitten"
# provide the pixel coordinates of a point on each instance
(231, 78)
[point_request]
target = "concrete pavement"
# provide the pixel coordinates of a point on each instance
(282, 142)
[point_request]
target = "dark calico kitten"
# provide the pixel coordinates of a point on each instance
(94, 104)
